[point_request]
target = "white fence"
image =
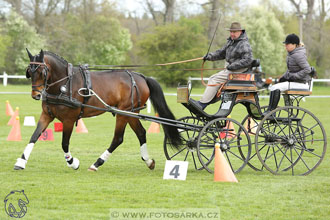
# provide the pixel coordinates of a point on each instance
(5, 77)
(313, 80)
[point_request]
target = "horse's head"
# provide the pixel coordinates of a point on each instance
(38, 72)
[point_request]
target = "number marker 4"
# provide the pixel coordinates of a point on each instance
(176, 170)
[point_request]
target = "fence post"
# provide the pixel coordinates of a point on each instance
(5, 78)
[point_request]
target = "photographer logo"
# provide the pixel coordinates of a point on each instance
(15, 204)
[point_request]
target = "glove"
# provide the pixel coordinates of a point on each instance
(207, 57)
(282, 79)
(229, 67)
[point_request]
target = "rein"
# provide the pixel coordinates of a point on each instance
(60, 80)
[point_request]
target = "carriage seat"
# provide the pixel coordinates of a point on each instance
(240, 81)
(301, 92)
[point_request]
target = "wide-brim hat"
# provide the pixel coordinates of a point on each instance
(235, 26)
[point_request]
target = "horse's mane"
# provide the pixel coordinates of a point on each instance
(54, 55)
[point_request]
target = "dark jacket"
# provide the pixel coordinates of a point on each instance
(298, 68)
(238, 53)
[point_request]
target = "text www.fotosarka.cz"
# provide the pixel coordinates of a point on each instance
(155, 213)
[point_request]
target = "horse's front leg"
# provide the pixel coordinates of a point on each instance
(66, 135)
(43, 123)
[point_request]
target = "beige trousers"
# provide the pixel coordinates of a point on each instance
(220, 77)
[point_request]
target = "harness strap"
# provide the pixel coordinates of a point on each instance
(86, 77)
(132, 91)
(70, 74)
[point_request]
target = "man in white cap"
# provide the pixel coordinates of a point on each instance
(238, 54)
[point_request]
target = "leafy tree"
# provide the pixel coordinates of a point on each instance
(20, 35)
(98, 40)
(266, 35)
(4, 42)
(174, 42)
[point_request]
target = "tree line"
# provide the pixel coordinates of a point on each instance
(98, 32)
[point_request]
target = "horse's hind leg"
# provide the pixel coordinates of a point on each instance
(66, 134)
(121, 122)
(43, 123)
(141, 135)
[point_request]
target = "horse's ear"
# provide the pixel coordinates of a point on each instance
(41, 54)
(30, 55)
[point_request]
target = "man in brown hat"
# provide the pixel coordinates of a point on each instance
(238, 54)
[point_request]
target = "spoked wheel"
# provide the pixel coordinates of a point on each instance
(290, 139)
(188, 151)
(251, 125)
(233, 139)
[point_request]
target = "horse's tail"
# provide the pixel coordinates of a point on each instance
(159, 103)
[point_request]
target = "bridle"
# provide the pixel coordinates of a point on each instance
(44, 73)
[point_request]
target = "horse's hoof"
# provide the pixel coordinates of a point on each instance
(152, 165)
(18, 168)
(92, 168)
(20, 164)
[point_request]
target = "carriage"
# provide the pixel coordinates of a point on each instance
(287, 139)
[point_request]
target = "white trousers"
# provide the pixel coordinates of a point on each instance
(284, 86)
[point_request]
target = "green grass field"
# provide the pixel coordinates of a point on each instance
(58, 192)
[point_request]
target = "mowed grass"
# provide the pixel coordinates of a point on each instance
(58, 192)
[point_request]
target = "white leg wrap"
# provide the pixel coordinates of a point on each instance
(145, 155)
(75, 163)
(105, 156)
(20, 163)
(27, 151)
(144, 152)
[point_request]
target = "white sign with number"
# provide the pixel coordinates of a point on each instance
(176, 170)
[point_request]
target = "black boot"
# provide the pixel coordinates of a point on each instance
(198, 104)
(273, 101)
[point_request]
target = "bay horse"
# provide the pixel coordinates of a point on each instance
(58, 84)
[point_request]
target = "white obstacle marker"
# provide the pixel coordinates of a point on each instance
(176, 170)
(29, 121)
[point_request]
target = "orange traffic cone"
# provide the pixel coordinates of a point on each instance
(154, 127)
(13, 117)
(15, 132)
(222, 170)
(47, 135)
(81, 128)
(9, 109)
